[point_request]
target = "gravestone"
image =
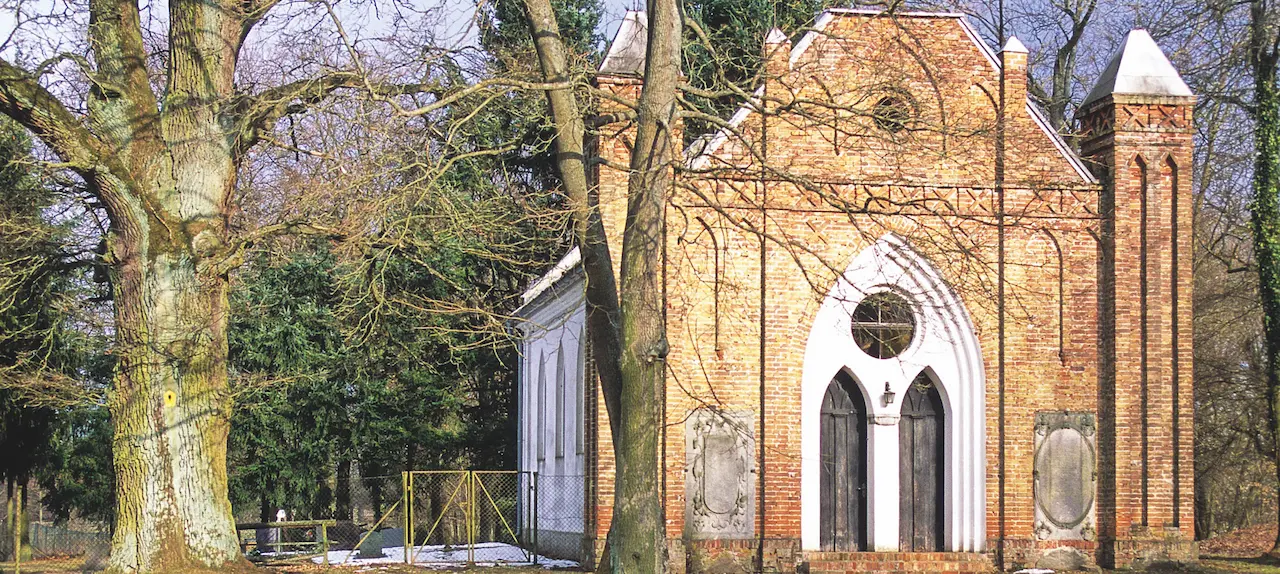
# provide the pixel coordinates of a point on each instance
(372, 546)
(392, 537)
(719, 474)
(266, 539)
(1066, 476)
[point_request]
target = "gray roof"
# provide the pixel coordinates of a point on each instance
(627, 51)
(1138, 68)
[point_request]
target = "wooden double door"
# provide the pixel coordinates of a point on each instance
(845, 464)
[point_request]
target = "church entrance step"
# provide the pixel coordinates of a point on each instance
(894, 562)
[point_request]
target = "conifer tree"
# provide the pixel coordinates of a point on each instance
(723, 62)
(30, 336)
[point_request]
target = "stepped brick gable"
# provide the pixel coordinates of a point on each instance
(912, 327)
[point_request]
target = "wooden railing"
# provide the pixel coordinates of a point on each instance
(319, 527)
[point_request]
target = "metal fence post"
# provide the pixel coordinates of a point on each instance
(535, 518)
(470, 477)
(406, 495)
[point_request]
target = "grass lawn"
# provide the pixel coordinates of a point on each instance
(1249, 565)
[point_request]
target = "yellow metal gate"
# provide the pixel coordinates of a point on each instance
(469, 516)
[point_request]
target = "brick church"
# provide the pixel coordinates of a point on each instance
(912, 327)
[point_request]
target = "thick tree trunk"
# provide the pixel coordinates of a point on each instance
(628, 338)
(637, 508)
(171, 409)
(342, 505)
(1266, 209)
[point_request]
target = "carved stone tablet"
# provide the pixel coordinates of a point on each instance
(1065, 475)
(719, 476)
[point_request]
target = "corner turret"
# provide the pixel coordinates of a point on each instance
(1137, 132)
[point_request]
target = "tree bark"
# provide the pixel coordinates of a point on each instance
(164, 175)
(603, 312)
(1265, 220)
(342, 503)
(628, 339)
(171, 410)
(638, 510)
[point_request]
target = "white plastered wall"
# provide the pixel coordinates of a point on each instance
(945, 344)
(551, 441)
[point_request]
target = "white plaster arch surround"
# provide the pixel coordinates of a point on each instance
(946, 345)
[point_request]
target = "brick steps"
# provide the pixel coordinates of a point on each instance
(894, 562)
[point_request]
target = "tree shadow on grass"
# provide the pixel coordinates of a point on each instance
(1225, 565)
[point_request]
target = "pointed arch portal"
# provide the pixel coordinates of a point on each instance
(908, 471)
(844, 467)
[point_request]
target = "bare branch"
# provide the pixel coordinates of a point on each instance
(31, 105)
(260, 112)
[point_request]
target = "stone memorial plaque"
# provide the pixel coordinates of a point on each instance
(1066, 475)
(719, 474)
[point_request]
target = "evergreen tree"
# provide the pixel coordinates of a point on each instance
(729, 62)
(77, 477)
(504, 35)
(287, 431)
(327, 392)
(33, 338)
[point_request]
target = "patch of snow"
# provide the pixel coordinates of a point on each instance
(439, 556)
(1035, 571)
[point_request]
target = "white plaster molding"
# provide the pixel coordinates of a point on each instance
(946, 346)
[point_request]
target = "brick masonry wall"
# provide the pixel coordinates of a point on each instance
(759, 232)
(1144, 144)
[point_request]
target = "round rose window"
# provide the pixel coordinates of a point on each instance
(883, 325)
(891, 114)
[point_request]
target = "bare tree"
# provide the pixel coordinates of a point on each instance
(626, 320)
(156, 117)
(1264, 56)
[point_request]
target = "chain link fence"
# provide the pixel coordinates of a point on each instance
(54, 548)
(364, 514)
(45, 546)
(421, 517)
(483, 518)
(466, 517)
(554, 520)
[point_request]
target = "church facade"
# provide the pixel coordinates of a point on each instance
(908, 321)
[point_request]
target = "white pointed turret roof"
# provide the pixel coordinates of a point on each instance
(627, 50)
(1139, 68)
(1014, 45)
